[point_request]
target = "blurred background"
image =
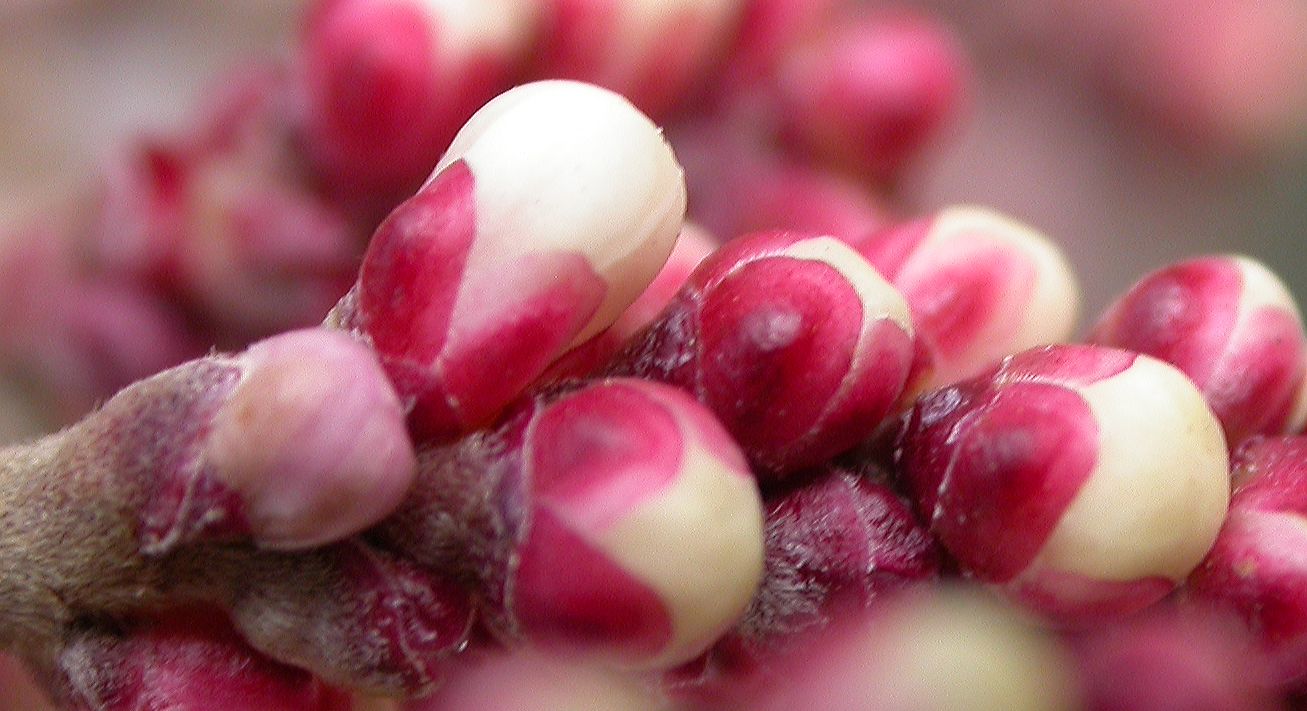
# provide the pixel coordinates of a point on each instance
(1078, 123)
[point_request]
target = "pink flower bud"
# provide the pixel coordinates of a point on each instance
(1081, 481)
(553, 209)
(387, 83)
(638, 494)
(796, 343)
(1230, 325)
(835, 546)
(312, 438)
(1256, 569)
(871, 94)
(189, 661)
(980, 287)
(630, 487)
(297, 442)
(652, 51)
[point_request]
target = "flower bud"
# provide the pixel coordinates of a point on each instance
(1229, 324)
(1084, 482)
(835, 546)
(1255, 569)
(553, 209)
(934, 650)
(630, 487)
(980, 286)
(793, 340)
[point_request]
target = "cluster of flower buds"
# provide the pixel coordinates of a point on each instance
(550, 430)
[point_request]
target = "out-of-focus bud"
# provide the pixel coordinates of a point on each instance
(980, 286)
(836, 545)
(1256, 569)
(224, 234)
(738, 186)
(259, 255)
(1229, 324)
(872, 94)
(1166, 660)
(796, 343)
(385, 84)
(553, 209)
(654, 52)
(937, 650)
(769, 30)
(76, 341)
(532, 682)
(1081, 481)
(590, 521)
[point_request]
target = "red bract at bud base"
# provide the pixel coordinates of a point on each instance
(191, 661)
(386, 83)
(653, 51)
(1230, 325)
(1256, 568)
(616, 521)
(871, 94)
(980, 287)
(554, 208)
(1084, 482)
(835, 546)
(793, 340)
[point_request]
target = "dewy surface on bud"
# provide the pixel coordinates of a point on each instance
(1232, 326)
(555, 206)
(792, 339)
(1082, 481)
(980, 285)
(615, 521)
